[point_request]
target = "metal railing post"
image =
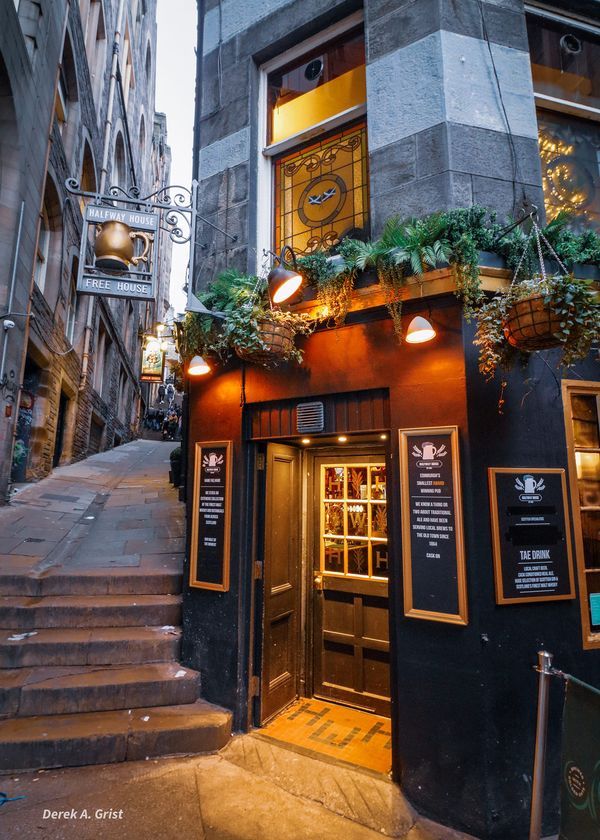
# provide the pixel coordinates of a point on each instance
(544, 669)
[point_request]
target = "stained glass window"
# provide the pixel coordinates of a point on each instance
(354, 525)
(322, 192)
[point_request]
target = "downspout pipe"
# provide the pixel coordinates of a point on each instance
(185, 420)
(87, 338)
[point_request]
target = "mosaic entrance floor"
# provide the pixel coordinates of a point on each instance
(347, 734)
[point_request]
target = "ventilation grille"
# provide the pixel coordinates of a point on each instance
(310, 417)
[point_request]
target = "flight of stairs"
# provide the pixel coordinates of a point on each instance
(89, 671)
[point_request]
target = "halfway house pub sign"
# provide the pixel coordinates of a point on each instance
(125, 253)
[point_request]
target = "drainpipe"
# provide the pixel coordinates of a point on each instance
(11, 295)
(185, 407)
(87, 338)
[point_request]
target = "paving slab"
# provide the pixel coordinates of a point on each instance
(361, 796)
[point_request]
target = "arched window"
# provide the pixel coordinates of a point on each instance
(142, 147)
(94, 30)
(71, 313)
(148, 63)
(67, 97)
(48, 253)
(119, 171)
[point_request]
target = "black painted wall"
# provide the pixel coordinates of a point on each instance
(463, 697)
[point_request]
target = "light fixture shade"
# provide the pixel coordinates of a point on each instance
(198, 367)
(283, 283)
(195, 305)
(419, 331)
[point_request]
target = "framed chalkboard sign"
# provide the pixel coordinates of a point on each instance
(211, 516)
(435, 586)
(531, 535)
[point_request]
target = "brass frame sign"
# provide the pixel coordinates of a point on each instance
(153, 364)
(531, 535)
(433, 554)
(211, 516)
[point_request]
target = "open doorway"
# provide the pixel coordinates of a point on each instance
(324, 623)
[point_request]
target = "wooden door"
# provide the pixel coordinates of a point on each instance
(350, 589)
(280, 654)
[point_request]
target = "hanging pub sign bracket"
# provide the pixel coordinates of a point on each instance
(121, 258)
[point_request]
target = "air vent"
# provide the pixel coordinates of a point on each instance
(310, 417)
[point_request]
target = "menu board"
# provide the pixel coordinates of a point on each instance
(432, 534)
(531, 535)
(209, 556)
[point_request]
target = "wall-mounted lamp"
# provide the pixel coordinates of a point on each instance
(419, 331)
(283, 282)
(198, 367)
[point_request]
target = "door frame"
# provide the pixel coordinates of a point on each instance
(308, 515)
(311, 541)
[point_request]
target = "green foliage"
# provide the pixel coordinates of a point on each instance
(572, 300)
(244, 302)
(468, 231)
(333, 280)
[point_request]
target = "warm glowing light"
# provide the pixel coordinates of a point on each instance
(198, 367)
(287, 288)
(419, 331)
(305, 441)
(152, 344)
(383, 437)
(160, 328)
(342, 438)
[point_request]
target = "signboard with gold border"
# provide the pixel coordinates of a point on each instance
(153, 363)
(531, 535)
(211, 516)
(433, 554)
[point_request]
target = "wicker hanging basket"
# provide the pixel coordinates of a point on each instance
(278, 341)
(532, 325)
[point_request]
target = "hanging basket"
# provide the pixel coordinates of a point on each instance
(278, 341)
(532, 325)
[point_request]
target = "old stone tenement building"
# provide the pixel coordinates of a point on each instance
(70, 364)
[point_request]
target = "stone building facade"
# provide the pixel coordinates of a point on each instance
(71, 362)
(324, 118)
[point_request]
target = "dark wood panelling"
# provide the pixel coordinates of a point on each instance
(357, 411)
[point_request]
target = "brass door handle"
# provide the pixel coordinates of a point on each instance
(318, 583)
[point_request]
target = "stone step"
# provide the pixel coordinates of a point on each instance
(96, 646)
(126, 581)
(25, 692)
(33, 613)
(108, 737)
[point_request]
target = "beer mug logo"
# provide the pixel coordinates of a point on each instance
(530, 489)
(429, 454)
(212, 462)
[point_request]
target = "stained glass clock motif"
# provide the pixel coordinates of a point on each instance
(321, 192)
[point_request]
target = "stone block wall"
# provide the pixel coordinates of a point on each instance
(31, 47)
(450, 109)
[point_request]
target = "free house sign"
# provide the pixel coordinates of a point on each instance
(531, 535)
(211, 519)
(432, 533)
